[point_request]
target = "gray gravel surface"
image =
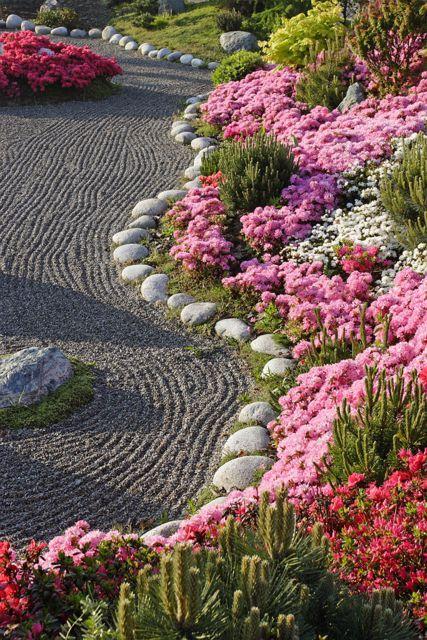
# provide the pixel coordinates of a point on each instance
(69, 177)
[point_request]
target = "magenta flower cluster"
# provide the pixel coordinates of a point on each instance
(27, 60)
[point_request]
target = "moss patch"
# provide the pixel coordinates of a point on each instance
(58, 405)
(193, 31)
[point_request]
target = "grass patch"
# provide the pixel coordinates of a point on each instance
(193, 31)
(206, 495)
(99, 89)
(58, 405)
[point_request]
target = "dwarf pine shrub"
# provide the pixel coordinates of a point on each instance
(392, 417)
(255, 171)
(404, 193)
(229, 20)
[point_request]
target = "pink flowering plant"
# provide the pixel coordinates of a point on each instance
(31, 64)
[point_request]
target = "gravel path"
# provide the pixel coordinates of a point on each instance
(69, 175)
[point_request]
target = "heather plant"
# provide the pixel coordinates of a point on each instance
(293, 41)
(230, 20)
(404, 193)
(268, 582)
(254, 172)
(392, 417)
(237, 66)
(389, 36)
(58, 18)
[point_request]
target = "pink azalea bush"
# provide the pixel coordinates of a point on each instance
(28, 61)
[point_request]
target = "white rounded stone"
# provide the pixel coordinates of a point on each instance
(179, 300)
(174, 56)
(115, 39)
(216, 502)
(78, 33)
(269, 344)
(191, 173)
(233, 328)
(152, 54)
(192, 108)
(197, 63)
(128, 236)
(277, 367)
(131, 46)
(27, 25)
(258, 412)
(240, 472)
(186, 58)
(145, 48)
(213, 65)
(192, 100)
(154, 288)
(136, 273)
(186, 137)
(162, 53)
(108, 32)
(42, 30)
(181, 128)
(192, 184)
(13, 21)
(59, 31)
(202, 143)
(149, 207)
(247, 440)
(144, 222)
(172, 194)
(128, 253)
(191, 116)
(165, 530)
(198, 313)
(124, 40)
(95, 33)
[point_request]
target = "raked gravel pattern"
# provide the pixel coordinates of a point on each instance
(70, 175)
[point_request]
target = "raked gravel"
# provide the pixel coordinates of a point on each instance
(70, 175)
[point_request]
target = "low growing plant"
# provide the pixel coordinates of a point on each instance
(59, 18)
(237, 66)
(404, 193)
(255, 171)
(263, 23)
(230, 20)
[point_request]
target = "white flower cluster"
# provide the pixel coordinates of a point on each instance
(363, 220)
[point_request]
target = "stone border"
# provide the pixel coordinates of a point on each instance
(110, 35)
(129, 253)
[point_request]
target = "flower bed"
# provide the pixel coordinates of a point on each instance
(35, 65)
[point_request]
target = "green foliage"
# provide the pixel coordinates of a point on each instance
(255, 171)
(206, 129)
(392, 417)
(323, 83)
(56, 406)
(245, 7)
(263, 23)
(267, 582)
(388, 34)
(90, 624)
(229, 20)
(404, 193)
(145, 20)
(237, 66)
(58, 18)
(297, 37)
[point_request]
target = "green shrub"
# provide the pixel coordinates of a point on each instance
(58, 18)
(237, 66)
(263, 23)
(297, 37)
(230, 20)
(245, 7)
(255, 171)
(324, 82)
(145, 20)
(392, 417)
(268, 583)
(404, 193)
(388, 36)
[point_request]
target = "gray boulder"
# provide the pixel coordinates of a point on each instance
(202, 143)
(149, 207)
(233, 328)
(154, 288)
(124, 40)
(165, 530)
(181, 128)
(269, 345)
(355, 95)
(258, 412)
(240, 472)
(238, 41)
(174, 56)
(249, 440)
(180, 300)
(277, 367)
(131, 46)
(42, 30)
(145, 48)
(13, 21)
(185, 137)
(78, 33)
(191, 173)
(186, 58)
(128, 236)
(153, 54)
(30, 374)
(115, 39)
(162, 53)
(171, 6)
(144, 222)
(94, 33)
(59, 31)
(108, 32)
(197, 63)
(194, 107)
(198, 313)
(193, 184)
(136, 273)
(172, 194)
(28, 25)
(129, 253)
